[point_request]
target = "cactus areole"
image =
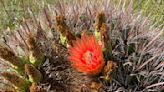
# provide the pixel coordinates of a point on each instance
(86, 55)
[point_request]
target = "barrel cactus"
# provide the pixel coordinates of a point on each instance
(83, 46)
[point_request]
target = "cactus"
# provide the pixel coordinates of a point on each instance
(121, 51)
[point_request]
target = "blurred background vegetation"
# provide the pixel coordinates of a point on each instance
(13, 11)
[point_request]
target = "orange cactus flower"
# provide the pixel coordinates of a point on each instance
(86, 55)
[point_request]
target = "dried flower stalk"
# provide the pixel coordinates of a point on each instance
(100, 19)
(36, 57)
(33, 73)
(102, 34)
(18, 82)
(10, 56)
(66, 36)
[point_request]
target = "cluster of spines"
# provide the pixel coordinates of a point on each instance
(23, 67)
